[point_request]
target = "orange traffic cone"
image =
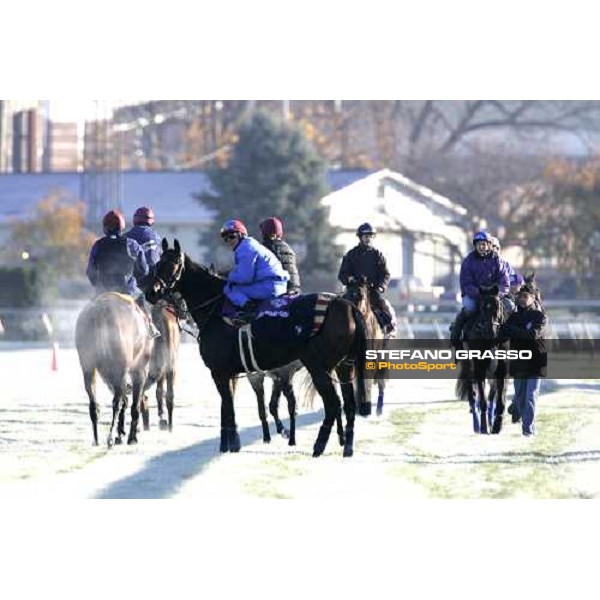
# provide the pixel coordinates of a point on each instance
(54, 365)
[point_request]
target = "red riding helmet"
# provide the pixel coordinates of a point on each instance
(143, 216)
(272, 226)
(234, 226)
(113, 221)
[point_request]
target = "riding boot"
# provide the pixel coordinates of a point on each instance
(248, 311)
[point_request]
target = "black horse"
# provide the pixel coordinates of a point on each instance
(341, 338)
(473, 374)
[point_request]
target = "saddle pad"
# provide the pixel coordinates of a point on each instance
(306, 315)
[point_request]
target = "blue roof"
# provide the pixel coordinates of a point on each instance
(169, 193)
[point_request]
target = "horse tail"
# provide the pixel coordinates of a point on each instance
(463, 384)
(359, 354)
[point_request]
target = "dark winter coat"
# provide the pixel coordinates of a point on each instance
(117, 264)
(365, 261)
(485, 270)
(287, 258)
(526, 330)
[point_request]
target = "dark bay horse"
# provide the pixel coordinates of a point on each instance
(358, 293)
(473, 374)
(341, 338)
(163, 365)
(111, 336)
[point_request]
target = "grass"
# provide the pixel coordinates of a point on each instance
(452, 462)
(275, 471)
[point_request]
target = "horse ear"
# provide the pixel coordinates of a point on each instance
(176, 245)
(165, 245)
(212, 268)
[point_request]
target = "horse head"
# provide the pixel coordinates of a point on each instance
(167, 273)
(357, 292)
(490, 314)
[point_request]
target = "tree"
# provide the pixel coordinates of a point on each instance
(274, 171)
(54, 239)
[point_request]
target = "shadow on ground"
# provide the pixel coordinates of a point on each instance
(162, 476)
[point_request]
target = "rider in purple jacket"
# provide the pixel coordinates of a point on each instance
(484, 267)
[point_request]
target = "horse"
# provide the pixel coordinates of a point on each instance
(282, 383)
(473, 374)
(162, 367)
(357, 292)
(111, 337)
(341, 338)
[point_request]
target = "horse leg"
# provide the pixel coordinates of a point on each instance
(322, 381)
(230, 440)
(160, 396)
(347, 387)
(288, 390)
(257, 381)
(170, 399)
(482, 405)
(345, 373)
(121, 426)
(380, 389)
(274, 407)
(500, 400)
(138, 378)
(474, 406)
(89, 381)
(119, 399)
(145, 412)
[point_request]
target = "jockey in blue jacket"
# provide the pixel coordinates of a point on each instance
(143, 233)
(482, 266)
(257, 274)
(117, 263)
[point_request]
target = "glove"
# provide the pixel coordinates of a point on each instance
(380, 289)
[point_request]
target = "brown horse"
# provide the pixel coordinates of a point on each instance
(341, 340)
(111, 336)
(358, 294)
(163, 365)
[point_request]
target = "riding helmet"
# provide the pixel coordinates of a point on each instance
(113, 222)
(365, 228)
(143, 216)
(271, 226)
(234, 226)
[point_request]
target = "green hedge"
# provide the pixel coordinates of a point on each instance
(18, 287)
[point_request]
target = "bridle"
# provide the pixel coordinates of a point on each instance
(167, 291)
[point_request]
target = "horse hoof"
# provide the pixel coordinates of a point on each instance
(342, 440)
(348, 452)
(379, 411)
(163, 425)
(146, 427)
(266, 440)
(118, 441)
(285, 434)
(292, 442)
(234, 441)
(132, 441)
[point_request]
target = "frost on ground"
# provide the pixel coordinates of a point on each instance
(422, 447)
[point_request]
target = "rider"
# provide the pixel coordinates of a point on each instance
(145, 235)
(117, 263)
(366, 261)
(480, 267)
(272, 232)
(515, 280)
(257, 274)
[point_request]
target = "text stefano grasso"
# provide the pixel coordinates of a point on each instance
(496, 354)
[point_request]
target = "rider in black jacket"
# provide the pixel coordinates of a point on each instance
(366, 261)
(272, 232)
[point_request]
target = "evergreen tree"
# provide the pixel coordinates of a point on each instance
(274, 171)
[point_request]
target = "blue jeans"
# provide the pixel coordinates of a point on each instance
(469, 304)
(526, 394)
